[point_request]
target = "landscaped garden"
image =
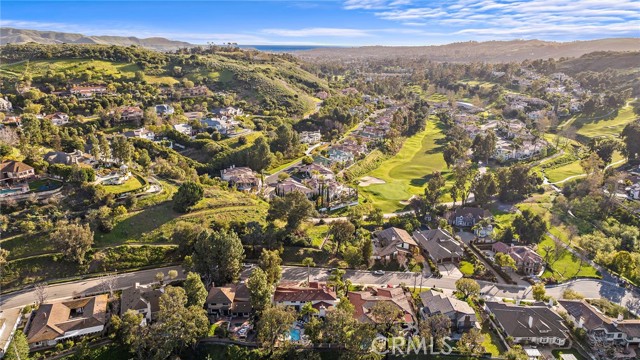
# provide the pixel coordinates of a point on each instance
(135, 182)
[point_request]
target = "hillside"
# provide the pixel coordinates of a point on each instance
(22, 36)
(276, 84)
(489, 51)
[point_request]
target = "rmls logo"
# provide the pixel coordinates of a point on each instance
(399, 345)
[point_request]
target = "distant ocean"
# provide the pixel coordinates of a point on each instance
(283, 48)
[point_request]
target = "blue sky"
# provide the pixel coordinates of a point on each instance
(333, 22)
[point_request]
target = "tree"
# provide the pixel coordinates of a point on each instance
(127, 328)
(173, 274)
(538, 291)
(259, 156)
(195, 290)
(483, 188)
(185, 234)
(73, 239)
(308, 262)
(434, 189)
(342, 232)
(353, 256)
(177, 325)
(218, 257)
(467, 287)
(293, 207)
(484, 146)
(259, 289)
(516, 352)
(630, 135)
(109, 283)
(274, 322)
(40, 293)
(504, 260)
(270, 262)
(470, 343)
(435, 327)
(150, 116)
(188, 195)
(18, 348)
(122, 149)
(530, 227)
(386, 315)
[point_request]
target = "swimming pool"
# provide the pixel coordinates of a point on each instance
(9, 191)
(294, 334)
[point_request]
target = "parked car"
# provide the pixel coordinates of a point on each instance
(378, 272)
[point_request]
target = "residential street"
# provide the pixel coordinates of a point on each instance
(84, 287)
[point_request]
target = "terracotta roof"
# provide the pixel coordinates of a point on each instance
(303, 294)
(363, 301)
(223, 294)
(55, 319)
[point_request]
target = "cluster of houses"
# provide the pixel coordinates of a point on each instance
(315, 181)
(539, 324)
(558, 85)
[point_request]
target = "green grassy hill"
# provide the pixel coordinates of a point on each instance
(276, 84)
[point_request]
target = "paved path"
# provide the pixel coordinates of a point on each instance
(82, 287)
(273, 178)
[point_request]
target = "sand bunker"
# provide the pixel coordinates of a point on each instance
(370, 180)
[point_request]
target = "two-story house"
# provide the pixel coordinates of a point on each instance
(15, 171)
(441, 246)
(462, 315)
(229, 300)
(243, 178)
(388, 243)
(526, 259)
(467, 216)
(67, 319)
(141, 299)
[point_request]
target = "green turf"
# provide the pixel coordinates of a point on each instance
(317, 233)
(608, 126)
(566, 266)
(406, 173)
(78, 66)
(134, 183)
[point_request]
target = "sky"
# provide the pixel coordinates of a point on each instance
(332, 22)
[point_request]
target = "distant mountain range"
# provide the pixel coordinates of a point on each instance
(488, 51)
(20, 36)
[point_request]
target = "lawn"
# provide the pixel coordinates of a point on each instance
(106, 68)
(606, 126)
(557, 352)
(562, 172)
(134, 183)
(406, 173)
(564, 266)
(317, 233)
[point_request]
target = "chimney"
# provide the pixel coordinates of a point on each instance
(550, 302)
(530, 321)
(620, 317)
(580, 321)
(323, 311)
(517, 301)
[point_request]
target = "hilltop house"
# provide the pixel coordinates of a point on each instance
(462, 315)
(164, 109)
(310, 137)
(141, 133)
(223, 125)
(67, 319)
(185, 129)
(228, 111)
(141, 299)
(527, 261)
(599, 327)
(467, 216)
(15, 171)
(388, 243)
(243, 178)
(131, 113)
(229, 300)
(195, 91)
(316, 171)
(5, 105)
(319, 295)
(364, 301)
(86, 92)
(535, 324)
(77, 157)
(58, 118)
(440, 245)
(290, 185)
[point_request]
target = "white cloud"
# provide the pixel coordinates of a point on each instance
(311, 32)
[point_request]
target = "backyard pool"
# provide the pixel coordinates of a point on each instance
(294, 334)
(9, 191)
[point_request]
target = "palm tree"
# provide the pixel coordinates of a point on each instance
(308, 262)
(337, 279)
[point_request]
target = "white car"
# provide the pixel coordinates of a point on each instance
(378, 272)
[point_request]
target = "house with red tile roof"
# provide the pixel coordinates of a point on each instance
(318, 294)
(364, 301)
